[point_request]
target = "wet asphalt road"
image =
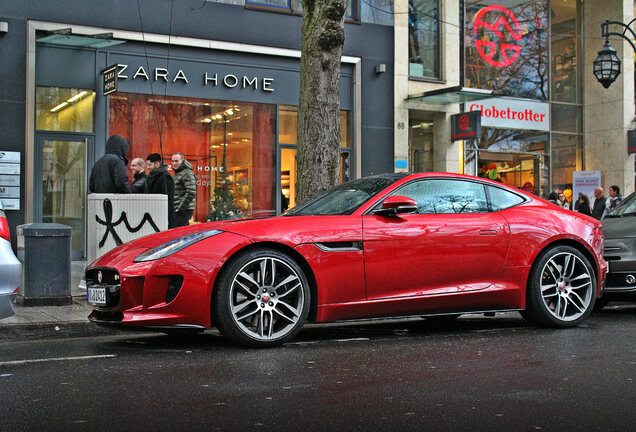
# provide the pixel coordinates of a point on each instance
(478, 374)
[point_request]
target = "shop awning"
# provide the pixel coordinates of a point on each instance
(65, 38)
(452, 95)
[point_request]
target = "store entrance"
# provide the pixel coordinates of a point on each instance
(526, 171)
(61, 183)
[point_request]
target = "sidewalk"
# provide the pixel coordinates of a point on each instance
(54, 321)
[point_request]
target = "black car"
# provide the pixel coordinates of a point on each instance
(619, 227)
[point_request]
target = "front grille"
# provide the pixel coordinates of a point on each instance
(108, 279)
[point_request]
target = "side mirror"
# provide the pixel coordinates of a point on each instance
(396, 204)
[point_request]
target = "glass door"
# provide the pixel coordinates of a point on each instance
(61, 186)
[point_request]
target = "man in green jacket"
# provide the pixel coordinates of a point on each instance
(185, 189)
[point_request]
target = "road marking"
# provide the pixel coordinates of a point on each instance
(21, 362)
(328, 340)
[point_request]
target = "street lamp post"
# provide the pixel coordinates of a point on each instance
(607, 65)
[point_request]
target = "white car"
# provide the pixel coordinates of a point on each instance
(10, 269)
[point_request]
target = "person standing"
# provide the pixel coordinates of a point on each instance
(563, 202)
(584, 204)
(160, 182)
(185, 189)
(139, 184)
(614, 199)
(109, 173)
(598, 208)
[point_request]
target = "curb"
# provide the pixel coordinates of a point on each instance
(53, 330)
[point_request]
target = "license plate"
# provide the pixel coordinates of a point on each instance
(97, 296)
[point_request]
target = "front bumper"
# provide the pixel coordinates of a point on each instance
(6, 305)
(10, 269)
(620, 254)
(174, 292)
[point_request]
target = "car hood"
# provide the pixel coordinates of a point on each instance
(621, 227)
(291, 230)
(152, 240)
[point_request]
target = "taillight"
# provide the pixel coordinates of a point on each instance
(4, 227)
(598, 230)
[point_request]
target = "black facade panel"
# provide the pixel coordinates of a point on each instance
(377, 154)
(13, 61)
(63, 67)
(12, 99)
(12, 138)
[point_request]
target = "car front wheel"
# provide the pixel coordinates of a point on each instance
(561, 289)
(261, 299)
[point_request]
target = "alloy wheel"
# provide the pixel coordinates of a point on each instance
(566, 286)
(266, 298)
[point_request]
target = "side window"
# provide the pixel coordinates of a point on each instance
(446, 196)
(502, 199)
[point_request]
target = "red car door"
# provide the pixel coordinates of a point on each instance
(451, 244)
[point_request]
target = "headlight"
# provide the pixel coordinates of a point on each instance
(174, 246)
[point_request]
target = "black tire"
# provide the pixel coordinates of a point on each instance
(561, 288)
(261, 299)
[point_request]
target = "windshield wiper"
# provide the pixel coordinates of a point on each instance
(629, 214)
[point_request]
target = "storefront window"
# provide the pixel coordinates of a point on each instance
(288, 122)
(507, 47)
(287, 136)
(421, 146)
(514, 157)
(377, 11)
(64, 109)
(231, 146)
(565, 79)
(566, 158)
(566, 118)
(423, 18)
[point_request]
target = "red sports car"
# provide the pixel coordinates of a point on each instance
(434, 244)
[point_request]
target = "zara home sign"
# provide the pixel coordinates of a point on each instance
(504, 113)
(164, 75)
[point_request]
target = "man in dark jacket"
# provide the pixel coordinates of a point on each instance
(185, 189)
(160, 182)
(109, 172)
(598, 209)
(139, 184)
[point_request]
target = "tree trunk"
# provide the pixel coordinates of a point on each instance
(318, 153)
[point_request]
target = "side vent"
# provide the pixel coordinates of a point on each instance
(176, 281)
(345, 246)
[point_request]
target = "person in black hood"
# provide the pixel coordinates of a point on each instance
(161, 182)
(109, 172)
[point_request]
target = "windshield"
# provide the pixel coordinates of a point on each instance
(346, 198)
(625, 208)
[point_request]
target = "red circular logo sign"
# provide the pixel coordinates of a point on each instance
(464, 122)
(500, 22)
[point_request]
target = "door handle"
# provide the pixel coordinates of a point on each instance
(487, 232)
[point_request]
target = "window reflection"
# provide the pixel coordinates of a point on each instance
(507, 47)
(446, 196)
(423, 16)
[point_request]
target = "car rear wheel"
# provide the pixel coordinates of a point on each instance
(262, 299)
(561, 288)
